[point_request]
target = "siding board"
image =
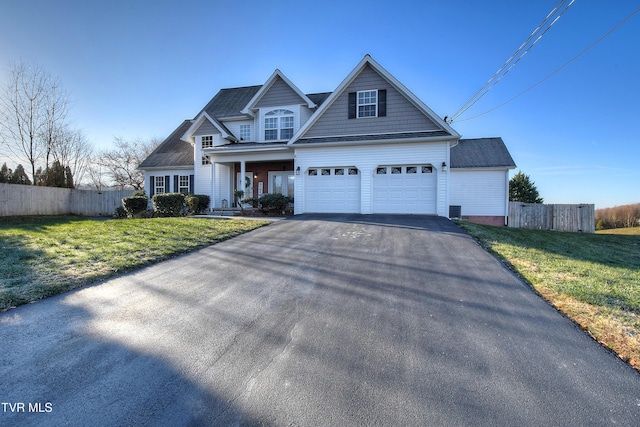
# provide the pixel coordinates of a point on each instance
(479, 193)
(280, 93)
(402, 115)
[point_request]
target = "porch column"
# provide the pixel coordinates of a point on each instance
(212, 202)
(243, 172)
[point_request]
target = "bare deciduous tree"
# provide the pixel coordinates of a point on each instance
(121, 163)
(71, 149)
(23, 112)
(33, 128)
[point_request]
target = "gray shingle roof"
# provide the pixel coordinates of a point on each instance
(481, 153)
(173, 152)
(229, 102)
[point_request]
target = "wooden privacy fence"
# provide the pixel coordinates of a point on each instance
(17, 200)
(575, 218)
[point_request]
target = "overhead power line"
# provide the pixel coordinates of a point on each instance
(537, 34)
(618, 25)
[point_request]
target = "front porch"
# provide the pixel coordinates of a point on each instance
(260, 178)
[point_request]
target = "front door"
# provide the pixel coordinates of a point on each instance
(281, 183)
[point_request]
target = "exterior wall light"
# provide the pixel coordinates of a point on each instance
(444, 166)
(298, 170)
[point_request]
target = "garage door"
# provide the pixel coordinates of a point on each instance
(404, 189)
(332, 190)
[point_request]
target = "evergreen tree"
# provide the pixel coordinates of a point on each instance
(5, 173)
(19, 176)
(522, 189)
(55, 176)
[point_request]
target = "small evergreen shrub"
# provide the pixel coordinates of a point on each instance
(251, 201)
(197, 203)
(134, 205)
(169, 204)
(120, 213)
(274, 202)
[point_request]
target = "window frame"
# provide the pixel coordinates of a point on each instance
(274, 124)
(209, 143)
(184, 187)
(157, 187)
(245, 132)
(361, 103)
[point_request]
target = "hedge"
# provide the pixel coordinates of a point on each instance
(197, 203)
(169, 204)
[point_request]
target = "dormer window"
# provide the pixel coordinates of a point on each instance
(278, 125)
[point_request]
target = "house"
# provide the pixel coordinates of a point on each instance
(370, 146)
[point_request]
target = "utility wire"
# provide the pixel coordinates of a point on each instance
(542, 28)
(618, 25)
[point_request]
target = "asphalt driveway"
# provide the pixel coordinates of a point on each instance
(316, 320)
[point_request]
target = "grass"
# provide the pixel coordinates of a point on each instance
(632, 231)
(45, 256)
(593, 278)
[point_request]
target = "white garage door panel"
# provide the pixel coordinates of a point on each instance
(403, 192)
(332, 193)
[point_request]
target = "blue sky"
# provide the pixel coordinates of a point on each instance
(138, 68)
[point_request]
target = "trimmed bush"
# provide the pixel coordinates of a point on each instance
(120, 213)
(197, 203)
(134, 205)
(169, 204)
(274, 202)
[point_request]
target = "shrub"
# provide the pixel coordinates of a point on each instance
(197, 203)
(274, 202)
(169, 204)
(120, 213)
(251, 201)
(139, 193)
(133, 205)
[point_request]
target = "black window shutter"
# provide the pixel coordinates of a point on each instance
(191, 184)
(175, 184)
(382, 102)
(167, 182)
(152, 185)
(352, 105)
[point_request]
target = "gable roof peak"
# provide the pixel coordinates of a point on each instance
(250, 107)
(367, 59)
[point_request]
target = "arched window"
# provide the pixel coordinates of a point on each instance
(278, 125)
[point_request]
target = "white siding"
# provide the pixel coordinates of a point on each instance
(366, 158)
(222, 185)
(170, 186)
(481, 193)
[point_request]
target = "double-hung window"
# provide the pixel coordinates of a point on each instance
(367, 103)
(159, 185)
(183, 184)
(278, 125)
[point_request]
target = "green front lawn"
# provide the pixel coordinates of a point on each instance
(45, 256)
(593, 278)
